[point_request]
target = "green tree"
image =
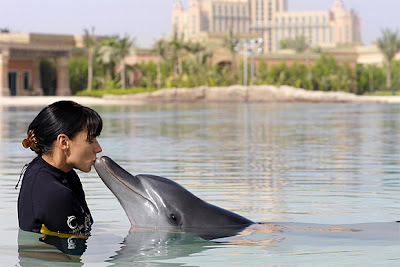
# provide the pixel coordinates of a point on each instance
(325, 73)
(262, 73)
(279, 74)
(197, 63)
(176, 46)
(299, 44)
(107, 55)
(160, 48)
(284, 44)
(123, 49)
(149, 74)
(230, 43)
(48, 76)
(298, 75)
(396, 73)
(78, 67)
(90, 44)
(389, 44)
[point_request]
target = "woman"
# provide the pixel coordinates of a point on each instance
(63, 135)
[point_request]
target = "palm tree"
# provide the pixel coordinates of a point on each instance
(389, 44)
(160, 47)
(123, 48)
(230, 44)
(196, 49)
(107, 55)
(200, 56)
(90, 43)
(176, 45)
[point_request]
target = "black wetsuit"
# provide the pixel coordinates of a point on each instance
(54, 198)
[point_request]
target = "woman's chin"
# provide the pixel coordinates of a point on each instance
(86, 169)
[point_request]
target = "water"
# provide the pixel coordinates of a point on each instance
(297, 165)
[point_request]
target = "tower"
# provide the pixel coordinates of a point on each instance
(177, 10)
(346, 24)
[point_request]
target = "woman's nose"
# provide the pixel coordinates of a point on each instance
(98, 148)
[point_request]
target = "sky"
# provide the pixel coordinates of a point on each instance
(148, 20)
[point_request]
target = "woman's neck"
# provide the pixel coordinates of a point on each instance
(57, 161)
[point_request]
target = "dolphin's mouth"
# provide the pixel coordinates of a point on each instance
(127, 185)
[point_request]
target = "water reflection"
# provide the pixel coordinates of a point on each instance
(280, 242)
(311, 163)
(159, 245)
(33, 247)
(278, 153)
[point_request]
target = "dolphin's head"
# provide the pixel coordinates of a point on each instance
(139, 197)
(157, 202)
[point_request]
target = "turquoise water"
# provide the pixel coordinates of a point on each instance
(304, 167)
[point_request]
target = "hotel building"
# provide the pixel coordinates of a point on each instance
(269, 19)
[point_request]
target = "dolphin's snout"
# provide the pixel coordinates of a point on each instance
(97, 161)
(103, 160)
(107, 169)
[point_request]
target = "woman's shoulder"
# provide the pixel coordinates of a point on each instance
(37, 168)
(41, 177)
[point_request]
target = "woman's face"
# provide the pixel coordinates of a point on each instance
(83, 152)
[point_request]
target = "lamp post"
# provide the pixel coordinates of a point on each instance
(246, 47)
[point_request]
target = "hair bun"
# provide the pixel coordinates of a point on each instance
(31, 142)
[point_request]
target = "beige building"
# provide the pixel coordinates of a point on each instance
(210, 16)
(270, 19)
(20, 55)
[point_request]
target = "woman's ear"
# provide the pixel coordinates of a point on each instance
(63, 141)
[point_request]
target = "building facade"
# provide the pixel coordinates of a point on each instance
(270, 19)
(20, 56)
(210, 16)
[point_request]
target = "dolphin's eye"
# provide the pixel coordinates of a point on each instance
(173, 217)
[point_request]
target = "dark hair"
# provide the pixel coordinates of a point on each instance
(63, 117)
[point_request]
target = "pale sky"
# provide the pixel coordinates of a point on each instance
(147, 20)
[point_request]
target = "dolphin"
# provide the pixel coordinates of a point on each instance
(157, 202)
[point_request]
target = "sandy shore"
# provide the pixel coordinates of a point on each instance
(231, 94)
(46, 100)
